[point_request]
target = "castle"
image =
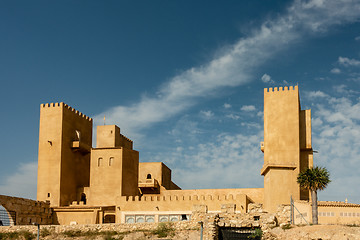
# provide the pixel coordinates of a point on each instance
(108, 184)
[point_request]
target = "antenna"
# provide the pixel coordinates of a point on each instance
(104, 120)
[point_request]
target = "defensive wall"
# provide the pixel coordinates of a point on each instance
(26, 211)
(182, 202)
(212, 223)
(328, 212)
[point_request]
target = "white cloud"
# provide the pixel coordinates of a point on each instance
(316, 94)
(237, 155)
(22, 183)
(348, 62)
(233, 116)
(266, 78)
(335, 70)
(248, 108)
(227, 105)
(357, 38)
(207, 114)
(336, 136)
(235, 65)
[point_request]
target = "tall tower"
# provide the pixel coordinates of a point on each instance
(65, 137)
(287, 146)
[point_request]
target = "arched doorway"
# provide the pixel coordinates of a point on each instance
(7, 218)
(83, 198)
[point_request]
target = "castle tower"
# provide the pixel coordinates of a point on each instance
(114, 167)
(65, 137)
(287, 146)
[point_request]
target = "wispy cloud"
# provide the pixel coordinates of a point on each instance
(335, 70)
(235, 65)
(266, 78)
(22, 183)
(207, 114)
(233, 116)
(336, 136)
(230, 153)
(227, 105)
(248, 108)
(316, 94)
(348, 62)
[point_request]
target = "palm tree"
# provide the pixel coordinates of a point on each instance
(314, 179)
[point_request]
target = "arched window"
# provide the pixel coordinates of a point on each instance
(111, 161)
(83, 198)
(148, 176)
(99, 162)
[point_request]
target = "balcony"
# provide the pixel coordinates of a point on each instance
(80, 146)
(262, 146)
(150, 184)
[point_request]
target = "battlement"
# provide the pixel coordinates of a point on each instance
(125, 138)
(191, 198)
(65, 106)
(281, 89)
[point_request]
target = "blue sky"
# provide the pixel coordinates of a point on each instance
(184, 80)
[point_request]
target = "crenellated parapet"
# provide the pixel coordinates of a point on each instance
(181, 202)
(65, 106)
(152, 198)
(125, 138)
(281, 89)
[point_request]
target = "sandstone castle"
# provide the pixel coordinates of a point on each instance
(109, 184)
(81, 184)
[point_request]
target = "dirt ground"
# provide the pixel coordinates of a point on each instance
(316, 232)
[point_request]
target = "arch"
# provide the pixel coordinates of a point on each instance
(7, 218)
(148, 176)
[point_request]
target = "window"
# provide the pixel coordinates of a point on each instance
(111, 160)
(174, 218)
(77, 135)
(150, 218)
(99, 162)
(83, 198)
(140, 219)
(129, 219)
(148, 176)
(48, 195)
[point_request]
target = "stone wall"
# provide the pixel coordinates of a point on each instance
(27, 211)
(211, 222)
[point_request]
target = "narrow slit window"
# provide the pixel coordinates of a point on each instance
(48, 195)
(99, 162)
(111, 161)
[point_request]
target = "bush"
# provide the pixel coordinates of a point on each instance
(44, 232)
(257, 234)
(286, 226)
(27, 235)
(72, 233)
(163, 230)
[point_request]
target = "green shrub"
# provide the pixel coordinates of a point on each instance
(27, 235)
(44, 232)
(257, 234)
(72, 233)
(286, 226)
(163, 230)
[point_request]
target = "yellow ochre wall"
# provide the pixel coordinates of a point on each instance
(287, 146)
(184, 200)
(61, 168)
